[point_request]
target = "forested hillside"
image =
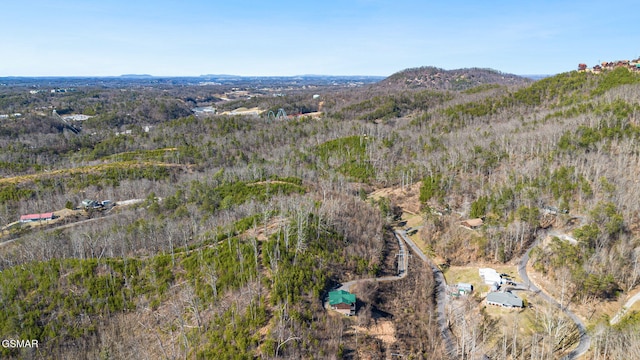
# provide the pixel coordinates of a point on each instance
(433, 78)
(243, 224)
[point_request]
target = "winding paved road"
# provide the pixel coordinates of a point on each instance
(441, 296)
(618, 316)
(585, 339)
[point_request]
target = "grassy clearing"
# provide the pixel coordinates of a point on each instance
(88, 169)
(465, 274)
(469, 274)
(146, 155)
(351, 153)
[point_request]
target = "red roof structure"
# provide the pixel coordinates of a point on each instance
(36, 217)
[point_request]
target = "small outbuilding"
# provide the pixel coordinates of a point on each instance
(343, 302)
(464, 288)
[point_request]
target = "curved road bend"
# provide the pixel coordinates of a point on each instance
(441, 295)
(585, 339)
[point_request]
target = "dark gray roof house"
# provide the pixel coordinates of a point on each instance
(504, 299)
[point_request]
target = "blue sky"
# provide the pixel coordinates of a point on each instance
(331, 37)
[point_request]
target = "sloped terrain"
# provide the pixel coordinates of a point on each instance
(247, 222)
(432, 78)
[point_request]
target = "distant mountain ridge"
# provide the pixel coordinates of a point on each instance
(429, 77)
(136, 76)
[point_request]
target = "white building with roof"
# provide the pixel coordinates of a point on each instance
(490, 276)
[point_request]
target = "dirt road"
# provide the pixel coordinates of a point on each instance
(107, 214)
(402, 269)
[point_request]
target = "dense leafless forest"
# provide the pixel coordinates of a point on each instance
(230, 228)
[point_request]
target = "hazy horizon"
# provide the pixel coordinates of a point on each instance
(204, 76)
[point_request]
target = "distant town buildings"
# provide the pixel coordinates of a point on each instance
(77, 117)
(204, 110)
(53, 91)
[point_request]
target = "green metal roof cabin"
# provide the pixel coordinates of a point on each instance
(343, 301)
(341, 296)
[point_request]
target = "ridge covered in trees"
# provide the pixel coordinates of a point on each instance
(244, 223)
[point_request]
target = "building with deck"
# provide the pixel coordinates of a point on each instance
(343, 302)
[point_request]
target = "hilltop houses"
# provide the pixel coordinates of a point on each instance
(343, 302)
(633, 65)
